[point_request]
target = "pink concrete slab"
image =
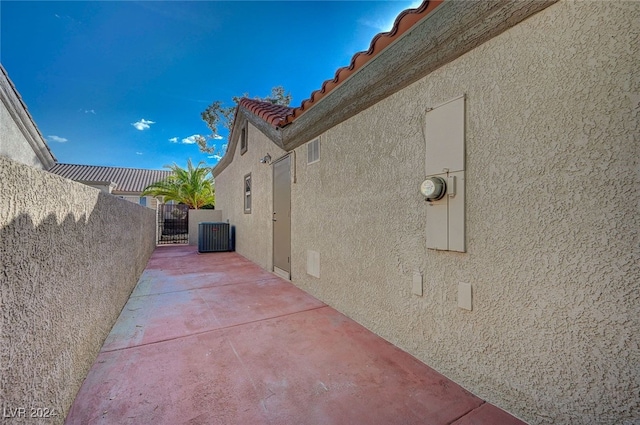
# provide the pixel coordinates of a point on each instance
(313, 367)
(159, 281)
(184, 311)
(249, 302)
(319, 367)
(169, 315)
(160, 317)
(488, 414)
(186, 259)
(194, 380)
(255, 350)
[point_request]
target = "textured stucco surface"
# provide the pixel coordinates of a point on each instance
(69, 257)
(201, 216)
(552, 219)
(253, 231)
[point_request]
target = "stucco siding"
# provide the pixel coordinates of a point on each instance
(253, 231)
(13, 143)
(20, 138)
(552, 192)
(69, 257)
(130, 198)
(201, 216)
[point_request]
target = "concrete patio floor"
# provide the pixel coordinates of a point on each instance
(215, 339)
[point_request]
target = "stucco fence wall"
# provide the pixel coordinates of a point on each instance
(70, 255)
(552, 190)
(201, 216)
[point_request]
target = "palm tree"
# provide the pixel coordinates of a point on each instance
(192, 186)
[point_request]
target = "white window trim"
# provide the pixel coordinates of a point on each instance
(244, 139)
(247, 193)
(310, 146)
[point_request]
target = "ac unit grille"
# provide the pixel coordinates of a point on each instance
(213, 237)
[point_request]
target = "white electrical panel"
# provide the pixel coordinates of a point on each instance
(443, 187)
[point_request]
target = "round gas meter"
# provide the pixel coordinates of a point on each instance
(433, 188)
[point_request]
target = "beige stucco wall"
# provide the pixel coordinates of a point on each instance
(20, 138)
(253, 231)
(552, 219)
(201, 216)
(69, 257)
(13, 143)
(151, 201)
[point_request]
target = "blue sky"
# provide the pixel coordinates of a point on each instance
(122, 83)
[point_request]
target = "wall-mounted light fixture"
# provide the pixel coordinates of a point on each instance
(266, 159)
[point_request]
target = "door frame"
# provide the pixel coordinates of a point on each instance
(279, 270)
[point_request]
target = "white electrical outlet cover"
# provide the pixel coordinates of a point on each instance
(465, 296)
(416, 289)
(313, 263)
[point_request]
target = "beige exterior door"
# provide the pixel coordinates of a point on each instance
(282, 216)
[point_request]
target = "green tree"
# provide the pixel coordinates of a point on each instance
(216, 114)
(192, 186)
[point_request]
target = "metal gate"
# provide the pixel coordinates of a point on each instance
(173, 224)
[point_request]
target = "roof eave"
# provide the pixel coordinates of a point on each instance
(448, 32)
(227, 158)
(242, 116)
(23, 119)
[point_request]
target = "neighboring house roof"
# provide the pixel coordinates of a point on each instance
(132, 180)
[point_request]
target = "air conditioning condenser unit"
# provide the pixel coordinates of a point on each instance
(214, 237)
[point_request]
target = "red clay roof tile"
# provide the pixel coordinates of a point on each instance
(280, 116)
(273, 114)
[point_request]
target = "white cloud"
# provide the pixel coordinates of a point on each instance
(216, 157)
(218, 137)
(138, 153)
(223, 148)
(58, 139)
(191, 139)
(90, 111)
(142, 124)
(174, 140)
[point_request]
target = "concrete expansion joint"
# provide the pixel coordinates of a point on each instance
(217, 285)
(266, 319)
(214, 330)
(467, 413)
